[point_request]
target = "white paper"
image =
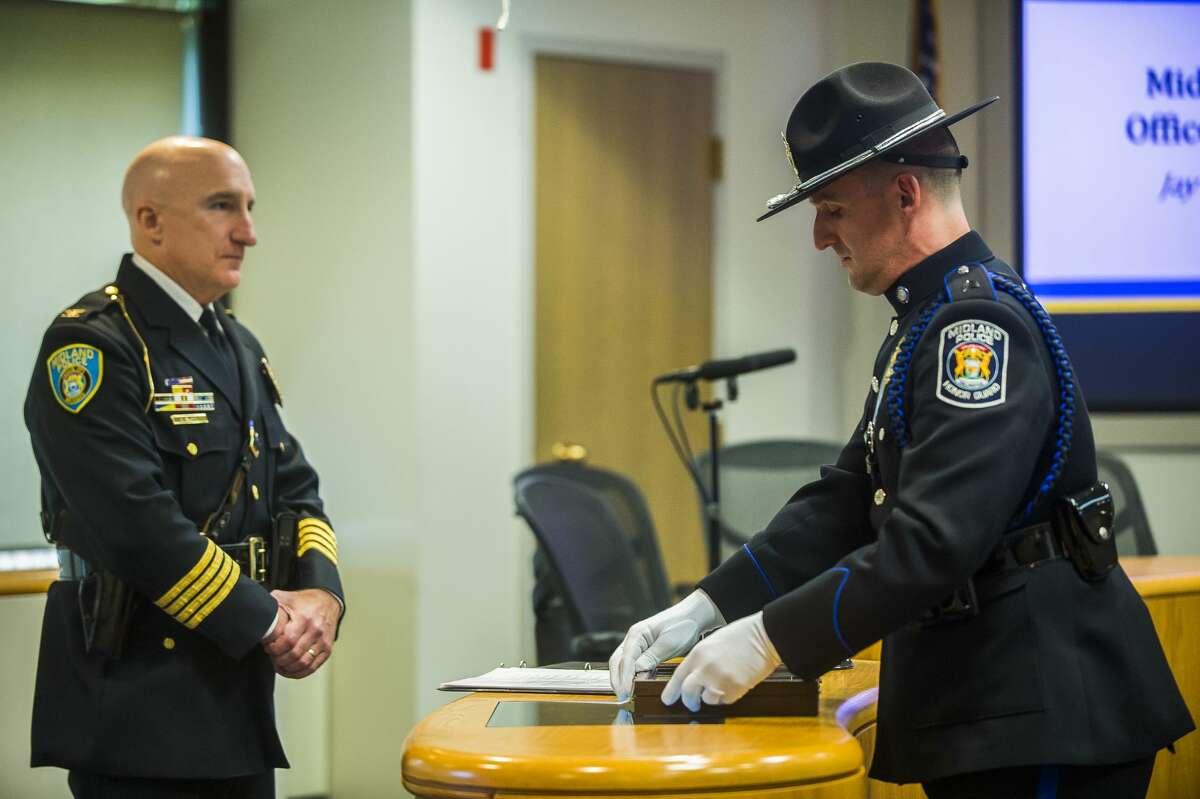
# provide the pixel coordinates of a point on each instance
(535, 680)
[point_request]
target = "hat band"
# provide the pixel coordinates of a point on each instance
(866, 155)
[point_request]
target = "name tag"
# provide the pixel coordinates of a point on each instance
(189, 418)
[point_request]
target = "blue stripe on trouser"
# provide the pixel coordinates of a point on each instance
(1048, 783)
(761, 573)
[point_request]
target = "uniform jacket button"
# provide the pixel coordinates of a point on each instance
(880, 496)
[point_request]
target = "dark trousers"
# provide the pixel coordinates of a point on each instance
(1120, 781)
(99, 786)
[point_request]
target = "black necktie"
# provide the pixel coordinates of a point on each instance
(208, 320)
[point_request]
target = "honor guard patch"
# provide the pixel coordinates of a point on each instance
(75, 374)
(972, 364)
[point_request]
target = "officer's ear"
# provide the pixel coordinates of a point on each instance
(909, 191)
(147, 220)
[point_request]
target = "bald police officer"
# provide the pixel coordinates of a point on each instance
(178, 501)
(963, 523)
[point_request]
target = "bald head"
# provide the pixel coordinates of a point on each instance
(151, 173)
(188, 202)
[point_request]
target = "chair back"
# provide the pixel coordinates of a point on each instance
(1131, 525)
(628, 504)
(589, 552)
(757, 478)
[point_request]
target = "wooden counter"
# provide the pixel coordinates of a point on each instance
(26, 582)
(1170, 584)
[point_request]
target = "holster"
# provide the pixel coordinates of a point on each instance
(106, 605)
(1085, 524)
(283, 554)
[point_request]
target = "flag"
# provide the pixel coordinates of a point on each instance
(925, 55)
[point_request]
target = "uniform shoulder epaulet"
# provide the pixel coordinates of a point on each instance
(90, 304)
(969, 282)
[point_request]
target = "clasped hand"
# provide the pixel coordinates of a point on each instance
(305, 626)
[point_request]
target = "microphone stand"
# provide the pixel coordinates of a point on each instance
(712, 503)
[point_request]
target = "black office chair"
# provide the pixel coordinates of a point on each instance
(757, 478)
(1131, 526)
(602, 574)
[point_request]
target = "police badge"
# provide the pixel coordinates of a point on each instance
(75, 374)
(972, 364)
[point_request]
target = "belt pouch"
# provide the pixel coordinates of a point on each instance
(106, 605)
(1085, 522)
(283, 556)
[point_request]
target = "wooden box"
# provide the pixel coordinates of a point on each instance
(780, 694)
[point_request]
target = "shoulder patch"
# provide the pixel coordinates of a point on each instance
(76, 372)
(972, 364)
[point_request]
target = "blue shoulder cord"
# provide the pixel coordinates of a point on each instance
(1062, 366)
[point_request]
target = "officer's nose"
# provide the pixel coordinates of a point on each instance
(823, 237)
(244, 233)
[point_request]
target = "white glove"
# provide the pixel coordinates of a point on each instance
(724, 666)
(664, 635)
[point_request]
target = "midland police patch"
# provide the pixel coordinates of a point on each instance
(75, 374)
(972, 364)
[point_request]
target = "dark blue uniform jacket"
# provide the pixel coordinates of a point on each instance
(961, 428)
(137, 478)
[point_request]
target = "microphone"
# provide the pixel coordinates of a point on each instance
(728, 367)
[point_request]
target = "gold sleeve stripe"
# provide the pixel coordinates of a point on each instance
(230, 581)
(206, 577)
(210, 552)
(324, 550)
(318, 536)
(314, 524)
(227, 566)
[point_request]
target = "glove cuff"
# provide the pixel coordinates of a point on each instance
(699, 607)
(764, 641)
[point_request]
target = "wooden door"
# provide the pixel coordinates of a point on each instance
(624, 176)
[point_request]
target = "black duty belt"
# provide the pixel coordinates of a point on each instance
(251, 555)
(1025, 548)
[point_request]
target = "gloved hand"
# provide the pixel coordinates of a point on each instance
(664, 635)
(724, 666)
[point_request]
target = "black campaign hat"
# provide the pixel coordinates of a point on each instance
(854, 114)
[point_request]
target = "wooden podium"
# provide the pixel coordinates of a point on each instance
(453, 754)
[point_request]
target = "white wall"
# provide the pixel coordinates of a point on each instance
(321, 108)
(472, 277)
(74, 109)
(75, 106)
(398, 305)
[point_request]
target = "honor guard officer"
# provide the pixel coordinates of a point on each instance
(963, 523)
(197, 560)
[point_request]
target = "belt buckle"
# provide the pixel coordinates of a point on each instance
(962, 604)
(257, 555)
